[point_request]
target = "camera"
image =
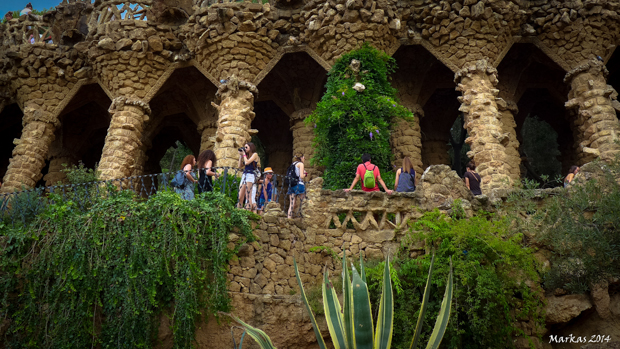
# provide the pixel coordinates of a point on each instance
(242, 149)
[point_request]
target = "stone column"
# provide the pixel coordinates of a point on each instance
(435, 152)
(507, 111)
(593, 100)
(406, 139)
(141, 158)
(303, 136)
(31, 150)
(235, 115)
(123, 141)
(207, 130)
(55, 173)
(482, 121)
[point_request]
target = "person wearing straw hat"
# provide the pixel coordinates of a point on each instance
(265, 189)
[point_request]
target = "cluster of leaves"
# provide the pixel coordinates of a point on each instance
(491, 268)
(349, 123)
(173, 158)
(581, 227)
(72, 278)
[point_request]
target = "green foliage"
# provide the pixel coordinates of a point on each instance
(582, 228)
(490, 267)
(541, 147)
(344, 119)
(172, 160)
(102, 278)
(80, 173)
(325, 249)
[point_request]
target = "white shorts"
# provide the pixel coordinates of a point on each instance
(247, 178)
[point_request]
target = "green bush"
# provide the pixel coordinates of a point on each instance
(103, 278)
(491, 268)
(349, 123)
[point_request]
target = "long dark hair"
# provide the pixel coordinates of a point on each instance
(252, 147)
(205, 156)
(573, 169)
(187, 161)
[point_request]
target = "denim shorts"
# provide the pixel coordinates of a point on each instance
(247, 178)
(296, 190)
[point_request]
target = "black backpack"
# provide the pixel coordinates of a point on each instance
(291, 177)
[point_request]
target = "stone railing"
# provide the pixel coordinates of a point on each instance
(117, 10)
(27, 29)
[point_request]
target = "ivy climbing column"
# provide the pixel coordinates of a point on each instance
(303, 135)
(595, 118)
(235, 115)
(486, 139)
(121, 151)
(31, 150)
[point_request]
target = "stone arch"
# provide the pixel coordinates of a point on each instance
(425, 86)
(286, 96)
(531, 84)
(11, 129)
(84, 122)
(181, 110)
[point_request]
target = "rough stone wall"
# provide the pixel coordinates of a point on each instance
(597, 125)
(507, 112)
(303, 136)
(406, 140)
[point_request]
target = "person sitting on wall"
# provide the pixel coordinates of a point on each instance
(571, 175)
(206, 171)
(265, 190)
(26, 10)
(472, 179)
(361, 172)
(405, 177)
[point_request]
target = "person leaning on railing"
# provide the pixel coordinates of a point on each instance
(187, 192)
(206, 170)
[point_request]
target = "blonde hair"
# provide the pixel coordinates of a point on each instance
(407, 166)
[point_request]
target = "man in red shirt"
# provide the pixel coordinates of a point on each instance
(361, 170)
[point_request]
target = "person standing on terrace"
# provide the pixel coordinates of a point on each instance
(26, 10)
(362, 169)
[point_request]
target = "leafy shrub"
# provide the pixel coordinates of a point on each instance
(582, 228)
(491, 268)
(74, 279)
(350, 123)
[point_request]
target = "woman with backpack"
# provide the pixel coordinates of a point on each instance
(248, 160)
(206, 171)
(297, 186)
(187, 189)
(405, 177)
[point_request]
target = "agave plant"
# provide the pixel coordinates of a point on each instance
(351, 326)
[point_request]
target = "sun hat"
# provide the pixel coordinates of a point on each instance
(268, 170)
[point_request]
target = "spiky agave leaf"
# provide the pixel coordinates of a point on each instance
(444, 315)
(427, 292)
(333, 314)
(317, 332)
(261, 338)
(385, 320)
(347, 294)
(362, 316)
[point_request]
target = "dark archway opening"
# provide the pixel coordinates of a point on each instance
(547, 144)
(81, 136)
(613, 65)
(176, 134)
(11, 128)
(275, 136)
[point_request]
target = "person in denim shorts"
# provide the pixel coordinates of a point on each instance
(248, 160)
(299, 190)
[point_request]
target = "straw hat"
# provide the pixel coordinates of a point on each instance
(268, 170)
